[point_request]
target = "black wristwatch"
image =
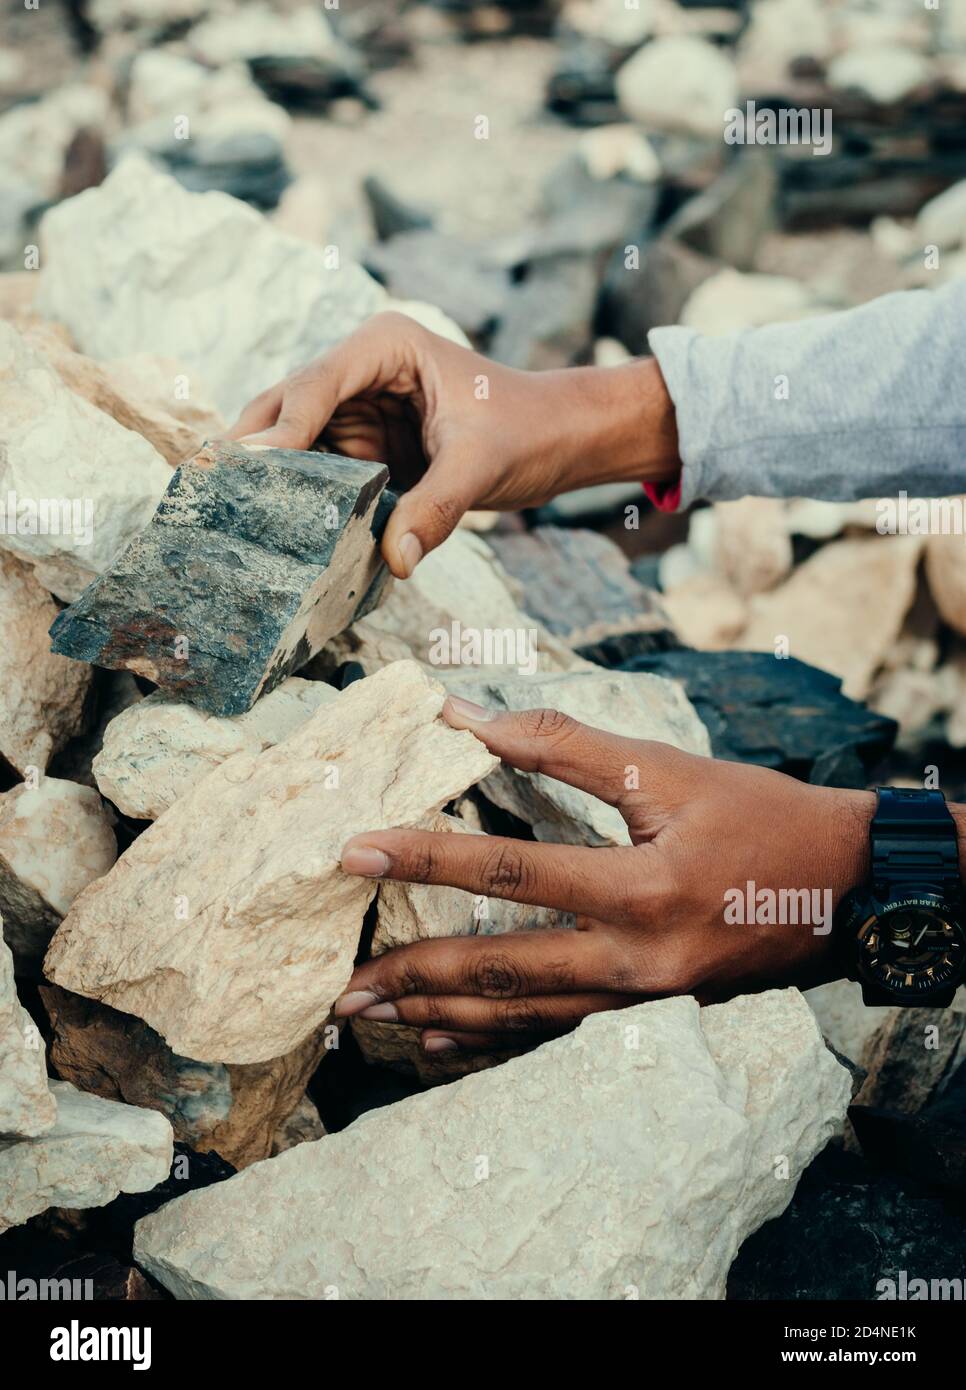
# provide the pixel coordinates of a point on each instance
(903, 933)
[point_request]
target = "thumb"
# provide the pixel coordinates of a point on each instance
(428, 513)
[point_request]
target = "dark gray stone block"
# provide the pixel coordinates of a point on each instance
(253, 560)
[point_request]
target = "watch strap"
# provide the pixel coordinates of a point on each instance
(913, 839)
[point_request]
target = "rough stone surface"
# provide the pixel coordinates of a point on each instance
(912, 1055)
(41, 695)
(678, 83)
(253, 560)
(156, 750)
(634, 705)
(409, 912)
(165, 281)
(460, 588)
(849, 639)
(234, 1111)
(578, 583)
(56, 445)
(96, 1149)
(228, 925)
(752, 548)
(26, 1106)
(638, 1152)
(55, 839)
(845, 1020)
(946, 573)
(301, 1127)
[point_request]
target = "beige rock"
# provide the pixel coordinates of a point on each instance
(156, 750)
(17, 290)
(752, 547)
(303, 1126)
(55, 839)
(41, 695)
(95, 1150)
(731, 300)
(883, 72)
(628, 1159)
(58, 447)
(634, 704)
(844, 1018)
(946, 575)
(460, 583)
(228, 925)
(851, 639)
(706, 613)
(820, 521)
(678, 84)
(116, 390)
(234, 1111)
(26, 1106)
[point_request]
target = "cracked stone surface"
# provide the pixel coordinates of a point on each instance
(26, 1106)
(200, 277)
(59, 446)
(252, 561)
(96, 1149)
(155, 751)
(234, 1111)
(55, 839)
(635, 1154)
(633, 704)
(417, 911)
(228, 925)
(42, 696)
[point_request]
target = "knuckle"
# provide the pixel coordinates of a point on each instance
(445, 512)
(495, 976)
(547, 724)
(506, 870)
(412, 979)
(520, 1016)
(393, 323)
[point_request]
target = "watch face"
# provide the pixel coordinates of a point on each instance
(913, 949)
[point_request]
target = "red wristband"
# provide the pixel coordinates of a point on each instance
(665, 496)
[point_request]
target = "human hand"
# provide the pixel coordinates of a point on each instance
(651, 917)
(459, 431)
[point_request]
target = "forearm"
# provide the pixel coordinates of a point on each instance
(863, 403)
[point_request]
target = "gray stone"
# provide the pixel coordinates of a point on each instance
(253, 560)
(96, 1150)
(628, 1159)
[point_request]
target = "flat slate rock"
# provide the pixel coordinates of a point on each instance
(781, 714)
(253, 560)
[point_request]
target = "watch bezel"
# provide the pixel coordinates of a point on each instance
(866, 909)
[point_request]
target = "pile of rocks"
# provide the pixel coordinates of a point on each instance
(176, 790)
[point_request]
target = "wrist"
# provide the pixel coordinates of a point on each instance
(622, 426)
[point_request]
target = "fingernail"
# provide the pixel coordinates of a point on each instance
(410, 552)
(439, 1045)
(364, 860)
(354, 1002)
(465, 709)
(381, 1013)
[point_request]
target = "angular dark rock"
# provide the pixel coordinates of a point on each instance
(781, 714)
(390, 214)
(929, 1146)
(547, 321)
(578, 583)
(442, 270)
(252, 561)
(729, 218)
(632, 302)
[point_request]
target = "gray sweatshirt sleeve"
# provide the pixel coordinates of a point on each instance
(863, 403)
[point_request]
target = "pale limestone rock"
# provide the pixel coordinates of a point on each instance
(632, 1156)
(228, 925)
(942, 221)
(752, 547)
(200, 277)
(634, 704)
(458, 590)
(96, 1150)
(853, 639)
(706, 613)
(17, 290)
(731, 300)
(156, 750)
(885, 73)
(946, 575)
(305, 210)
(261, 30)
(107, 15)
(41, 695)
(56, 445)
(115, 389)
(26, 1106)
(779, 31)
(55, 839)
(408, 912)
(845, 1020)
(820, 521)
(611, 150)
(216, 106)
(678, 84)
(234, 1111)
(620, 25)
(34, 135)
